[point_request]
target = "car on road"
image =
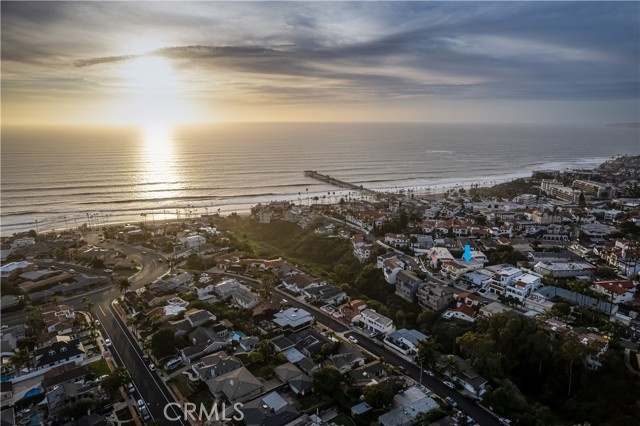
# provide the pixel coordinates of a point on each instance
(97, 323)
(152, 367)
(107, 343)
(143, 252)
(402, 369)
(430, 373)
(451, 402)
(141, 403)
(101, 378)
(353, 339)
(108, 271)
(131, 388)
(373, 335)
(449, 384)
(145, 413)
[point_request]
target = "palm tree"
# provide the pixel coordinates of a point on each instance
(123, 285)
(87, 304)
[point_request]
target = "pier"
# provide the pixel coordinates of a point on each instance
(337, 182)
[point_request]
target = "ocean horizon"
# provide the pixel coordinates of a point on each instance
(62, 177)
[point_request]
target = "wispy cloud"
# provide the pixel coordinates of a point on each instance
(368, 53)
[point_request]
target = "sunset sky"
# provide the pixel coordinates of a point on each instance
(169, 62)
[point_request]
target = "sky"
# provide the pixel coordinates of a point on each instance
(176, 62)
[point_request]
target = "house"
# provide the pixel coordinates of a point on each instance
(369, 374)
(309, 342)
(298, 382)
(15, 268)
(59, 319)
(437, 255)
(192, 241)
(397, 240)
(298, 282)
(391, 267)
(523, 287)
(248, 344)
(478, 278)
(212, 366)
(618, 291)
(245, 299)
(462, 312)
(361, 248)
(238, 385)
(226, 287)
(203, 341)
(293, 319)
(308, 365)
(269, 410)
(60, 352)
(325, 294)
(282, 343)
(460, 371)
(407, 283)
(66, 373)
(204, 289)
(408, 414)
(405, 341)
(564, 269)
(434, 296)
(376, 322)
(352, 309)
(197, 317)
(346, 359)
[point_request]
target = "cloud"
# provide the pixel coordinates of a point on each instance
(336, 52)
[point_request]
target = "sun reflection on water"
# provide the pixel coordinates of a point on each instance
(160, 176)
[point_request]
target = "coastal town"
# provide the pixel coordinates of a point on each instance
(503, 305)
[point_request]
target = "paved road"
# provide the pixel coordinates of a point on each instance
(465, 404)
(127, 353)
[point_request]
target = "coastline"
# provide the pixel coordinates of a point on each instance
(155, 210)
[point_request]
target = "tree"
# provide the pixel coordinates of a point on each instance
(326, 380)
(163, 343)
(378, 396)
(117, 378)
(427, 352)
(87, 304)
(269, 282)
(123, 285)
(570, 350)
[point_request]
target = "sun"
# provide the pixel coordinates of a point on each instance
(154, 93)
(151, 74)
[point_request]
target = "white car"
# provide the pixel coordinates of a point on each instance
(107, 343)
(97, 323)
(449, 384)
(451, 401)
(141, 403)
(152, 367)
(131, 388)
(353, 339)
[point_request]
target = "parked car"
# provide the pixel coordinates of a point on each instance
(97, 323)
(131, 388)
(145, 413)
(451, 402)
(449, 384)
(141, 403)
(107, 343)
(353, 339)
(152, 367)
(430, 373)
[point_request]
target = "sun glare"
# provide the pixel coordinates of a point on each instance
(155, 94)
(150, 73)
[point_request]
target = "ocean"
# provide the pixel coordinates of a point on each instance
(56, 178)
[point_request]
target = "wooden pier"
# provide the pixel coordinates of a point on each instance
(337, 182)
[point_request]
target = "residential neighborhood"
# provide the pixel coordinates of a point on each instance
(388, 310)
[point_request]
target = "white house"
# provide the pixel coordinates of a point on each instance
(405, 341)
(618, 291)
(439, 255)
(523, 287)
(192, 241)
(376, 322)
